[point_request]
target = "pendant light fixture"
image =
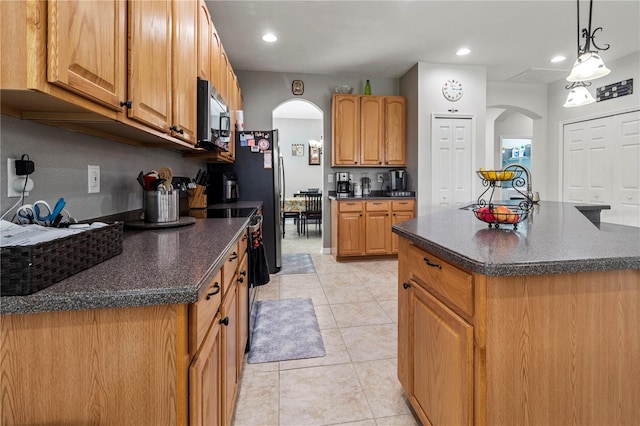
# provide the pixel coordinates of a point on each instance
(589, 64)
(579, 95)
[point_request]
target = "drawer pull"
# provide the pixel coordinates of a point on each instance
(435, 265)
(233, 256)
(406, 285)
(225, 321)
(240, 280)
(216, 287)
(243, 273)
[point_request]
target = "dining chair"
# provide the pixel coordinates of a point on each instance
(312, 211)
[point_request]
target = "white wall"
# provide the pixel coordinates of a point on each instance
(430, 78)
(622, 69)
(299, 175)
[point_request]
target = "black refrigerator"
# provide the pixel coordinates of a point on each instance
(259, 170)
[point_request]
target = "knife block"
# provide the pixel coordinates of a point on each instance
(197, 198)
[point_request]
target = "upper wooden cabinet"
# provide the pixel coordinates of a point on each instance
(371, 130)
(345, 130)
(184, 70)
(368, 130)
(395, 130)
(150, 63)
(124, 70)
(87, 49)
(205, 35)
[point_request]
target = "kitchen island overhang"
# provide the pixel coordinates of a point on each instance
(556, 238)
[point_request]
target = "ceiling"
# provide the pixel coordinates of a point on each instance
(514, 39)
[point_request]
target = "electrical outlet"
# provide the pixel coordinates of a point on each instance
(380, 178)
(94, 179)
(15, 183)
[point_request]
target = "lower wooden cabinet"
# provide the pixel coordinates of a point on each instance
(542, 349)
(431, 324)
(230, 366)
(363, 227)
(205, 380)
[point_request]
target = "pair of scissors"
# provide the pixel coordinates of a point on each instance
(40, 212)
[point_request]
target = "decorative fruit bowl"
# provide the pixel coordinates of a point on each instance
(500, 214)
(497, 175)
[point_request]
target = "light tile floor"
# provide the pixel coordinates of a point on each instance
(355, 383)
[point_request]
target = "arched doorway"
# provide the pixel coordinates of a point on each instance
(300, 125)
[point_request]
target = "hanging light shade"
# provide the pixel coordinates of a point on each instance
(578, 96)
(588, 66)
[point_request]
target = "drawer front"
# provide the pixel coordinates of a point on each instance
(449, 283)
(203, 311)
(403, 205)
(377, 206)
(350, 206)
(229, 269)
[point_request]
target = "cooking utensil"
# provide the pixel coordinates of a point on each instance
(156, 183)
(140, 179)
(167, 174)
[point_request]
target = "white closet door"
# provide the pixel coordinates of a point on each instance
(587, 161)
(600, 165)
(626, 165)
(451, 167)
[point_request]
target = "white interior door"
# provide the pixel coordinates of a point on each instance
(451, 165)
(600, 165)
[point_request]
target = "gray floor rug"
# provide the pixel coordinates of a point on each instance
(297, 263)
(285, 329)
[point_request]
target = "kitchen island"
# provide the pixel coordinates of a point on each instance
(537, 325)
(155, 335)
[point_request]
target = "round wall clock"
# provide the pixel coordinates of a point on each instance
(297, 87)
(452, 90)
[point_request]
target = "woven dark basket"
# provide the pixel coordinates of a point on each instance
(27, 269)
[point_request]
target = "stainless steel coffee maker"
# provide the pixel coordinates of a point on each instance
(343, 184)
(398, 180)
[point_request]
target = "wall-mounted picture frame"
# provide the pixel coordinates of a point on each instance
(297, 150)
(314, 155)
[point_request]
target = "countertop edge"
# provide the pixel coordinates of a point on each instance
(180, 294)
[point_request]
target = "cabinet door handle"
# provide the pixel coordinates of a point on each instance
(233, 256)
(387, 214)
(406, 285)
(243, 273)
(175, 129)
(216, 287)
(428, 262)
(128, 103)
(225, 321)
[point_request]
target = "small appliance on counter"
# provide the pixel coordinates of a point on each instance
(343, 185)
(366, 184)
(224, 188)
(398, 184)
(398, 180)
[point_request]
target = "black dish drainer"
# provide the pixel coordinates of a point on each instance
(495, 216)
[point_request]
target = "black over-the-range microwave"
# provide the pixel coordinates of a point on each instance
(213, 119)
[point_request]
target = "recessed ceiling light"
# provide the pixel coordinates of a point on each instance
(463, 51)
(269, 38)
(558, 58)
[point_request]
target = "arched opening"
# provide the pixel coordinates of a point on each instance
(300, 125)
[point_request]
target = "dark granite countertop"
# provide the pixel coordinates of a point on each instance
(157, 266)
(555, 238)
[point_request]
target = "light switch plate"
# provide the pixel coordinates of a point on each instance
(94, 179)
